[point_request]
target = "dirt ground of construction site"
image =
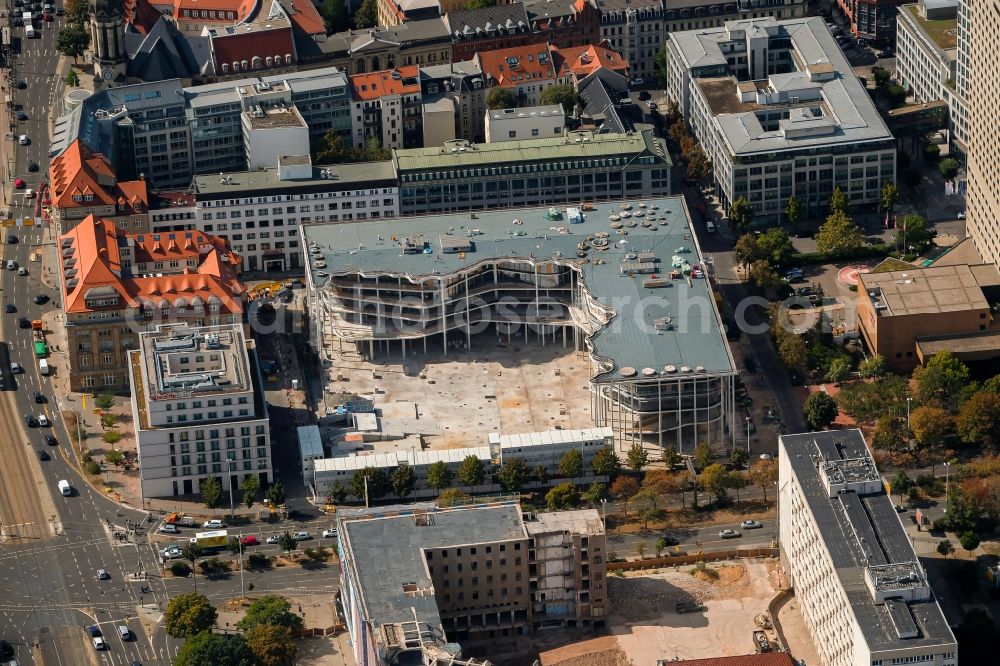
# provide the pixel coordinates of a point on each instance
(644, 626)
(453, 400)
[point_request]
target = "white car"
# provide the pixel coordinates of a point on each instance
(728, 534)
(43, 421)
(961, 215)
(168, 528)
(751, 525)
(274, 538)
(99, 643)
(302, 536)
(330, 533)
(214, 524)
(172, 553)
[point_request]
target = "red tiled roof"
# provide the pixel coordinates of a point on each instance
(304, 16)
(514, 66)
(240, 8)
(766, 659)
(245, 45)
(141, 15)
(387, 82)
(91, 254)
(584, 60)
(79, 171)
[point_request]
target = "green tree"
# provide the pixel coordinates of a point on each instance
(873, 367)
(109, 419)
(978, 420)
(367, 15)
(188, 614)
(331, 149)
(896, 95)
(563, 94)
(645, 506)
(775, 245)
(741, 214)
(208, 649)
(72, 79)
(839, 369)
(881, 75)
(671, 458)
(969, 541)
(76, 11)
(563, 496)
(251, 486)
(888, 197)
(500, 98)
(763, 275)
(287, 542)
(931, 425)
(941, 380)
(541, 474)
(471, 472)
(747, 250)
(931, 152)
(571, 464)
(839, 202)
(275, 494)
(513, 474)
(792, 352)
(211, 492)
(945, 547)
(271, 645)
(337, 493)
(792, 211)
(715, 479)
(764, 475)
(104, 401)
(606, 462)
(111, 437)
(737, 480)
(233, 545)
(838, 235)
(451, 497)
(403, 480)
(901, 484)
(660, 72)
(336, 17)
(915, 230)
(890, 434)
(949, 168)
(73, 41)
(270, 609)
(703, 455)
(660, 546)
(637, 457)
(439, 476)
(699, 167)
(595, 493)
(623, 488)
(115, 457)
(738, 457)
(820, 410)
(191, 551)
(377, 483)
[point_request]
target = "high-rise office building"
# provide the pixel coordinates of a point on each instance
(978, 25)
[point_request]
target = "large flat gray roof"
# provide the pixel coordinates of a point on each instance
(386, 544)
(840, 519)
(844, 101)
(630, 339)
(341, 177)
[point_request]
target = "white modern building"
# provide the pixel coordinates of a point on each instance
(927, 58)
(779, 112)
(310, 449)
(259, 211)
(199, 409)
(864, 595)
(534, 449)
(533, 122)
(638, 307)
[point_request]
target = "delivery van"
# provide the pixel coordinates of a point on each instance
(43, 366)
(65, 488)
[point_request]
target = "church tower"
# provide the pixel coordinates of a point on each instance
(107, 39)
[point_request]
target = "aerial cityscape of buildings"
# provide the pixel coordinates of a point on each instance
(566, 332)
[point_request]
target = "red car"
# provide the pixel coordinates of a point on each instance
(18, 183)
(250, 540)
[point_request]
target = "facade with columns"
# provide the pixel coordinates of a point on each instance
(107, 40)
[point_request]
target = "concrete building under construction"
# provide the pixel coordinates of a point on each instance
(624, 283)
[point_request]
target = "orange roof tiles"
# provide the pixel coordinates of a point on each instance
(398, 81)
(80, 172)
(304, 15)
(240, 8)
(584, 60)
(514, 66)
(92, 260)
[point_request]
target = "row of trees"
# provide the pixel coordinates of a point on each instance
(74, 38)
(698, 166)
(266, 638)
(211, 492)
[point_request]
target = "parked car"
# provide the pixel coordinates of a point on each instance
(961, 215)
(805, 291)
(250, 540)
(274, 538)
(728, 534)
(302, 536)
(213, 524)
(172, 553)
(751, 525)
(330, 533)
(167, 528)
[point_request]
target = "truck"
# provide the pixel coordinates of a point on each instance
(43, 366)
(212, 539)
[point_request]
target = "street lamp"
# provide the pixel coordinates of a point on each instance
(232, 511)
(908, 401)
(604, 513)
(947, 495)
(748, 434)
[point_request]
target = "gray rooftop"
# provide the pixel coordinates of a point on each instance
(848, 114)
(339, 177)
(862, 531)
(386, 543)
(630, 339)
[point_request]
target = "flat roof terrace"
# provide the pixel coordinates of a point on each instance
(272, 117)
(931, 290)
